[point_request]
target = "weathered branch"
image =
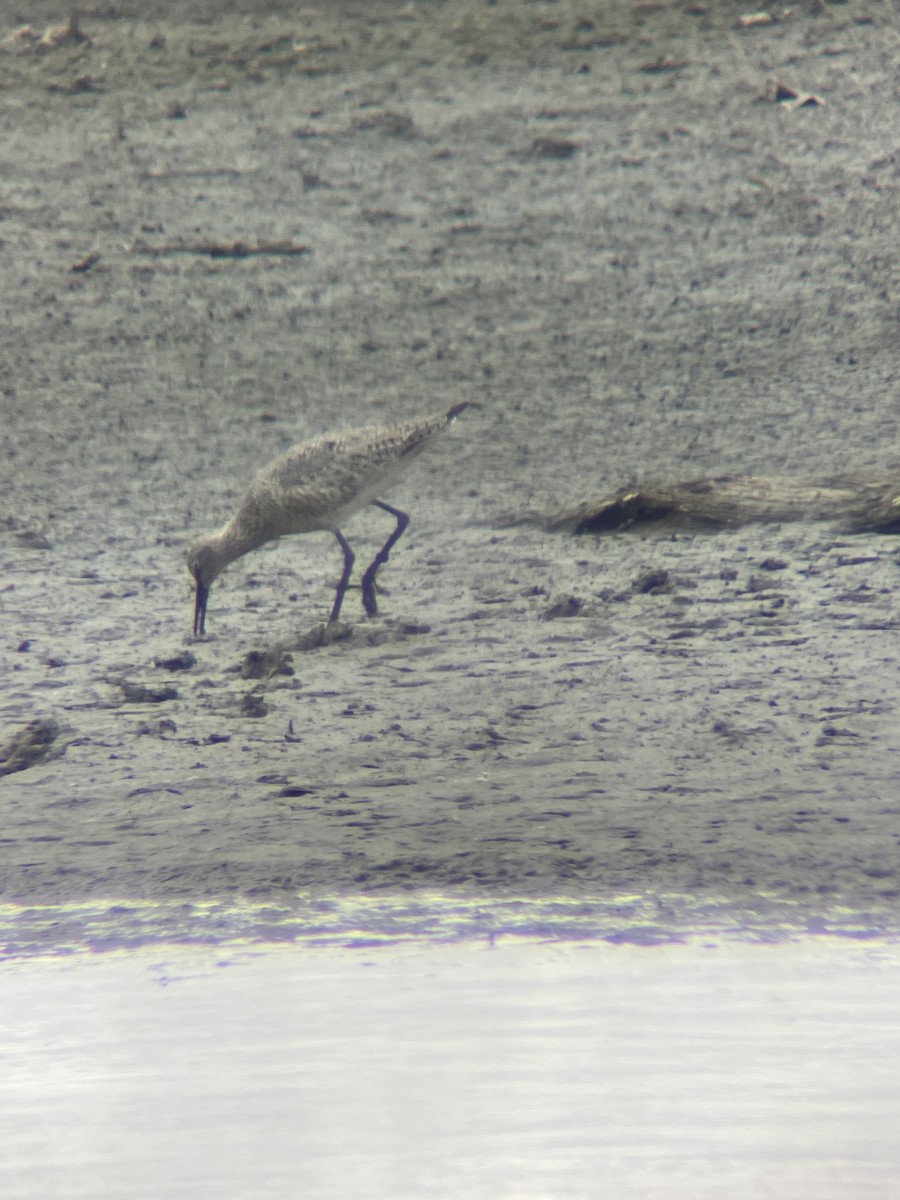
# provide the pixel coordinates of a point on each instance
(858, 502)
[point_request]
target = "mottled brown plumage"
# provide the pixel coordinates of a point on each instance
(317, 485)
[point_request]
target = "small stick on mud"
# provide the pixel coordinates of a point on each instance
(86, 263)
(200, 173)
(219, 249)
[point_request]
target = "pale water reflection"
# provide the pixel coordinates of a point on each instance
(473, 1070)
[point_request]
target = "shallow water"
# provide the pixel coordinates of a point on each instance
(511, 1067)
(33, 930)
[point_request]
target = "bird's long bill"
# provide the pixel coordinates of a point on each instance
(200, 601)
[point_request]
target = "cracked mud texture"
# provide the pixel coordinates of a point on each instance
(596, 224)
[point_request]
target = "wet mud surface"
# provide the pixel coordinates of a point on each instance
(636, 264)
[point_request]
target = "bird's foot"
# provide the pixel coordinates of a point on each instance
(370, 589)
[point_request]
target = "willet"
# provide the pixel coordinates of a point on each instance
(318, 485)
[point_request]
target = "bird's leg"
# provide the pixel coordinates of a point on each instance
(345, 577)
(368, 580)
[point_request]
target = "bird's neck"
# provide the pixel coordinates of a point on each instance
(232, 541)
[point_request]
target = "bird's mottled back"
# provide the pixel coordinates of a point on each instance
(319, 483)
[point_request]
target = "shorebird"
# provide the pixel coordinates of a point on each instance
(317, 485)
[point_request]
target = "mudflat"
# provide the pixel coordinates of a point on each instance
(645, 243)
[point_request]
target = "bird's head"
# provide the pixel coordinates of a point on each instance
(204, 561)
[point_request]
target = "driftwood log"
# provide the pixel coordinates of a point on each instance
(859, 503)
